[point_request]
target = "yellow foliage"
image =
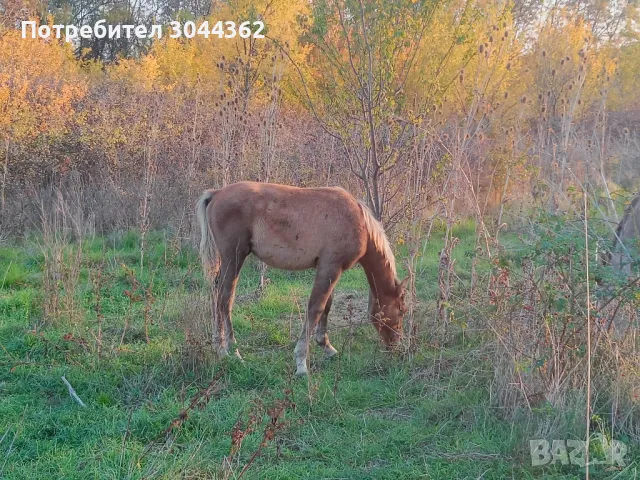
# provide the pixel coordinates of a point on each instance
(40, 81)
(626, 85)
(568, 70)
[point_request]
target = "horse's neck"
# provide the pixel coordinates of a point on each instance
(381, 278)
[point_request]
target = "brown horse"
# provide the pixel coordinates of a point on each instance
(297, 229)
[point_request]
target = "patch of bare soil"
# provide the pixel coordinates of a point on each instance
(349, 308)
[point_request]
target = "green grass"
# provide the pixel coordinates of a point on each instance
(365, 414)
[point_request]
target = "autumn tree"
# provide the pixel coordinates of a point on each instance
(362, 55)
(40, 85)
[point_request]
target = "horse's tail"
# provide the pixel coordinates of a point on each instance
(208, 250)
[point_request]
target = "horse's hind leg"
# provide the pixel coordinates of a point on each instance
(326, 279)
(322, 338)
(228, 279)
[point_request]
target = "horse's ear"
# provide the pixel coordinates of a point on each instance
(403, 285)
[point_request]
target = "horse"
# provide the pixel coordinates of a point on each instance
(294, 228)
(621, 258)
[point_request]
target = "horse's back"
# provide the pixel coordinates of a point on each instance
(289, 227)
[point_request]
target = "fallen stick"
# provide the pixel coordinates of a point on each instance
(72, 392)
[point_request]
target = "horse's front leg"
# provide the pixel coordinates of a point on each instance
(326, 278)
(322, 338)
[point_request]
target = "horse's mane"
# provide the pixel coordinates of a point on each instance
(378, 237)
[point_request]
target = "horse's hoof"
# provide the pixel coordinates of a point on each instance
(238, 356)
(301, 371)
(330, 352)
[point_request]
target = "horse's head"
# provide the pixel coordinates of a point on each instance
(387, 313)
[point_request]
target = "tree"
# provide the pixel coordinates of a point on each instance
(40, 84)
(363, 53)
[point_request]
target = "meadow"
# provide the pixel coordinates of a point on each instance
(131, 339)
(498, 143)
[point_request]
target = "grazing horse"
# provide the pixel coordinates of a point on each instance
(622, 258)
(293, 228)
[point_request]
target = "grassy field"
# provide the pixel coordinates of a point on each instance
(158, 406)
